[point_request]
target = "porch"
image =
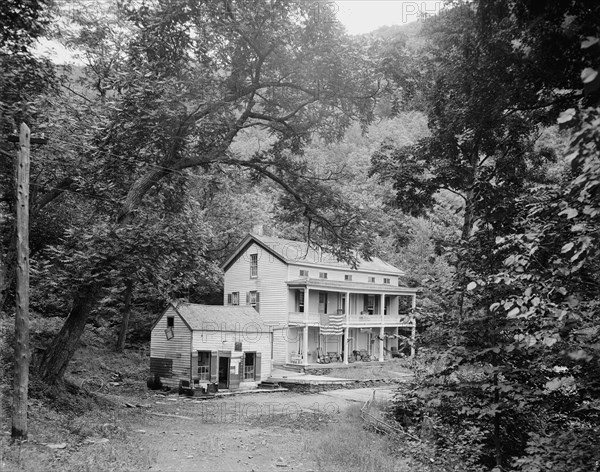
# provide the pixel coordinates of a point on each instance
(306, 346)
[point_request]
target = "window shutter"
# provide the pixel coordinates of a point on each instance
(247, 298)
(229, 298)
(366, 303)
(257, 302)
(242, 366)
(257, 362)
(194, 365)
(214, 366)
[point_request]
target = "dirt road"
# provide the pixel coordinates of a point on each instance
(266, 431)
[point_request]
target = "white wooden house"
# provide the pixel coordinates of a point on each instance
(317, 307)
(205, 344)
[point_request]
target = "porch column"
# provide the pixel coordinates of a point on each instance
(287, 343)
(306, 317)
(381, 332)
(347, 308)
(305, 346)
(306, 304)
(347, 346)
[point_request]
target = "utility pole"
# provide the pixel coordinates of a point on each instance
(22, 352)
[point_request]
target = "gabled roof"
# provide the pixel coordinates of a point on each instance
(297, 252)
(221, 318)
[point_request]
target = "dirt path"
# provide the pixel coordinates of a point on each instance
(268, 431)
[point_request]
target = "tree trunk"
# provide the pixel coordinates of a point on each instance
(467, 229)
(126, 314)
(53, 363)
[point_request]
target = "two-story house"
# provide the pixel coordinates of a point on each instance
(319, 309)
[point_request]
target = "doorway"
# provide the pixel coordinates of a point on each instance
(224, 372)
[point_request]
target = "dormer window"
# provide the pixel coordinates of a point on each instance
(322, 275)
(386, 280)
(253, 265)
(303, 273)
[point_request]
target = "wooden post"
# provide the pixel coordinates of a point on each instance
(22, 354)
(126, 315)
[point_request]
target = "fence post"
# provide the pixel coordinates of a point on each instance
(22, 353)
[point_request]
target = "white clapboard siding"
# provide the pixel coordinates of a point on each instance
(177, 348)
(280, 342)
(338, 274)
(270, 283)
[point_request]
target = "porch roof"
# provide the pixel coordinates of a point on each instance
(354, 287)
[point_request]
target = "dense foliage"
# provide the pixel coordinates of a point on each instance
(513, 375)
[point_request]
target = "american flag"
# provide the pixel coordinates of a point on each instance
(332, 324)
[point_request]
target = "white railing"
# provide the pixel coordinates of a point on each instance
(353, 319)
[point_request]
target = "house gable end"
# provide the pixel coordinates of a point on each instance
(163, 313)
(243, 247)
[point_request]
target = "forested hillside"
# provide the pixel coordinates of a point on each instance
(463, 149)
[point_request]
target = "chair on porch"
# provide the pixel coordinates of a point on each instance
(334, 357)
(296, 359)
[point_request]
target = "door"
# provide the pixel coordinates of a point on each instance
(224, 372)
(322, 302)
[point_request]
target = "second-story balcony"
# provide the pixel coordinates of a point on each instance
(359, 319)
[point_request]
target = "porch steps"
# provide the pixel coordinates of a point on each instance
(290, 368)
(268, 385)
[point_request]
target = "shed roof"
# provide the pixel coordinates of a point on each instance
(221, 318)
(346, 286)
(298, 252)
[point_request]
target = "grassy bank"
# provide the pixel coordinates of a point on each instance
(346, 446)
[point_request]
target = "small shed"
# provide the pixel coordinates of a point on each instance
(208, 344)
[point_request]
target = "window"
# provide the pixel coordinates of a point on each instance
(253, 265)
(235, 298)
(322, 275)
(386, 281)
(300, 301)
(252, 299)
(204, 366)
(249, 363)
(303, 273)
(371, 280)
(169, 334)
(348, 277)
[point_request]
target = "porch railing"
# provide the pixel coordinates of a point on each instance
(354, 319)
